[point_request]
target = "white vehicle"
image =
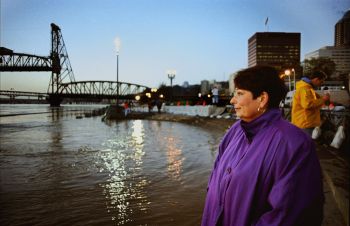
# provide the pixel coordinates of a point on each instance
(289, 98)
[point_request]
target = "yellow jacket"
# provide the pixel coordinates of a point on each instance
(306, 106)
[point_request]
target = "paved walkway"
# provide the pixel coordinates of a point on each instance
(335, 167)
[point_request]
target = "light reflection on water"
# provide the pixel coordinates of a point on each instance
(118, 173)
(117, 189)
(175, 159)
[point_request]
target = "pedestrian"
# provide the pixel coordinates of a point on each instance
(307, 103)
(159, 104)
(126, 108)
(215, 93)
(150, 106)
(266, 171)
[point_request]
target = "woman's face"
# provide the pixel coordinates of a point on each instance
(246, 107)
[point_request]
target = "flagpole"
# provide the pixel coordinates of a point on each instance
(266, 24)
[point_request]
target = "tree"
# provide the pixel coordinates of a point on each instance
(324, 64)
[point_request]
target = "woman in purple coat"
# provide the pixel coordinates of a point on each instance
(267, 171)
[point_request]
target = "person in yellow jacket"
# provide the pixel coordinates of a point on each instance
(307, 103)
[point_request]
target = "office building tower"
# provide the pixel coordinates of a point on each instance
(342, 31)
(278, 49)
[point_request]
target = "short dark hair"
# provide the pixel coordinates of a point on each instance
(317, 74)
(259, 79)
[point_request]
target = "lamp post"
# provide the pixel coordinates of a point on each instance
(287, 72)
(294, 87)
(117, 47)
(117, 77)
(171, 76)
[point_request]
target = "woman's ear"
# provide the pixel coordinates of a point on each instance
(264, 99)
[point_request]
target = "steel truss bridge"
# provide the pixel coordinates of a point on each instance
(62, 82)
(13, 94)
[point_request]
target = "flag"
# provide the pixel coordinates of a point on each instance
(267, 20)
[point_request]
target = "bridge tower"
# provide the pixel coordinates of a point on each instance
(61, 67)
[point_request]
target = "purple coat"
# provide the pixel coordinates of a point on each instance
(266, 173)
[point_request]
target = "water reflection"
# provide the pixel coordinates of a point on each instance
(129, 172)
(115, 189)
(138, 136)
(123, 160)
(175, 159)
(138, 141)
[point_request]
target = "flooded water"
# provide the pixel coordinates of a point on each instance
(56, 169)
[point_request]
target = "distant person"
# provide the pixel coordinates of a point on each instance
(266, 171)
(126, 108)
(150, 106)
(159, 104)
(307, 103)
(215, 93)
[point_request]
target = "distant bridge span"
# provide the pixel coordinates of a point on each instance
(10, 61)
(88, 90)
(62, 82)
(101, 89)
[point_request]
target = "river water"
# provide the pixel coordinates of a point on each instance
(56, 169)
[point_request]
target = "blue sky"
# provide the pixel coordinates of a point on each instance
(200, 39)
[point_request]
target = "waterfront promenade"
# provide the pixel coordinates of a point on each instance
(334, 163)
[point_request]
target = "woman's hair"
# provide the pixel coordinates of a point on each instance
(260, 79)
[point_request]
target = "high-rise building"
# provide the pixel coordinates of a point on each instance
(340, 56)
(278, 49)
(205, 87)
(340, 52)
(342, 31)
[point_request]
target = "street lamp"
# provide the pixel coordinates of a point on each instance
(294, 87)
(117, 47)
(287, 72)
(171, 76)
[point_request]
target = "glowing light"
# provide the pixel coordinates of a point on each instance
(117, 44)
(287, 72)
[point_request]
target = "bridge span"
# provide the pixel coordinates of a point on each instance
(62, 81)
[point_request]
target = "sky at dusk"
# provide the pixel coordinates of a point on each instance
(200, 39)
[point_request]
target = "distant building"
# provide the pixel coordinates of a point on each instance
(185, 84)
(342, 31)
(340, 52)
(231, 85)
(278, 49)
(205, 87)
(224, 88)
(340, 56)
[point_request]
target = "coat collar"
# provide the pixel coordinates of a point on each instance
(252, 128)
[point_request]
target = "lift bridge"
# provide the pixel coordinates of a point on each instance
(62, 82)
